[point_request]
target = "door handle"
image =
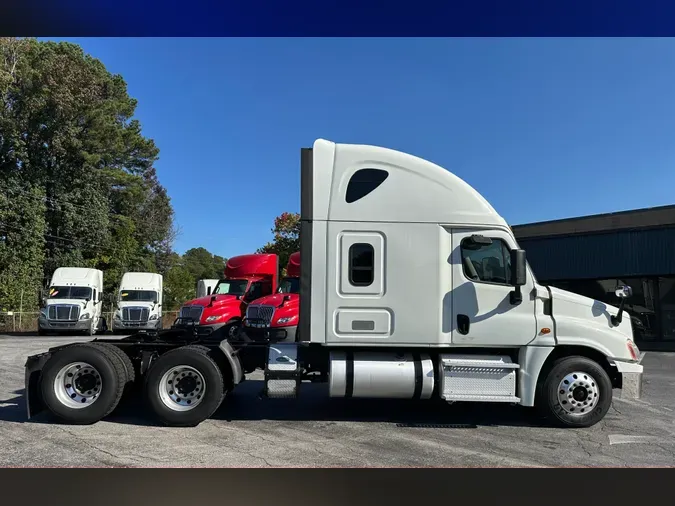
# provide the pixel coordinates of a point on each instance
(463, 324)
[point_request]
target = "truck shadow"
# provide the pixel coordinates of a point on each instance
(313, 405)
(13, 409)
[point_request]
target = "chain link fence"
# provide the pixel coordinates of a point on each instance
(22, 322)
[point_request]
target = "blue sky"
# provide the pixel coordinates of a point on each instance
(543, 128)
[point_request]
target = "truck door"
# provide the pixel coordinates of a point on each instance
(482, 312)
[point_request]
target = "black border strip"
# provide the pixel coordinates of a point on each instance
(306, 215)
(330, 487)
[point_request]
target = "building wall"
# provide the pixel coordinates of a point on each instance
(625, 253)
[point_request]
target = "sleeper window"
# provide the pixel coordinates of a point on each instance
(361, 264)
(363, 182)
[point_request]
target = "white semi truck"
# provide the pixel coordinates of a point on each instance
(73, 302)
(412, 287)
(205, 287)
(139, 303)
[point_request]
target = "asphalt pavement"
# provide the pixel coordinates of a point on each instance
(316, 431)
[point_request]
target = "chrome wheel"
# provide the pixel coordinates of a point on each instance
(182, 388)
(77, 385)
(578, 393)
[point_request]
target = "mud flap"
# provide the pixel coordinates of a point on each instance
(233, 360)
(34, 365)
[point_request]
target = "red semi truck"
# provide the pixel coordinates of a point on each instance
(275, 317)
(247, 278)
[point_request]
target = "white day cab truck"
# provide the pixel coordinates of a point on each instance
(73, 302)
(139, 303)
(205, 287)
(378, 225)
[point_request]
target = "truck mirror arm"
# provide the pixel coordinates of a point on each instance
(623, 292)
(516, 296)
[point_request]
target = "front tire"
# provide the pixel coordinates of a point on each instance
(576, 392)
(232, 328)
(184, 386)
(82, 384)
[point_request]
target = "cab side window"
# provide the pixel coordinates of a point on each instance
(255, 292)
(265, 288)
(489, 263)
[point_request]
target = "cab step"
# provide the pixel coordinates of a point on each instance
(477, 378)
(283, 374)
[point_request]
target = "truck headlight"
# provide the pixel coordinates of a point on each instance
(85, 316)
(153, 317)
(212, 319)
(286, 320)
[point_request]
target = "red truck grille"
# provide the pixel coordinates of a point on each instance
(260, 314)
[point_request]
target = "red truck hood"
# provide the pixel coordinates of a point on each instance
(276, 299)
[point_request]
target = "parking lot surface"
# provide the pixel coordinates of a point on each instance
(317, 431)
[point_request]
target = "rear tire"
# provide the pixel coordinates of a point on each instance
(129, 371)
(576, 392)
(82, 384)
(184, 386)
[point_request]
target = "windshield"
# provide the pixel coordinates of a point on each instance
(289, 285)
(69, 292)
(138, 295)
(230, 287)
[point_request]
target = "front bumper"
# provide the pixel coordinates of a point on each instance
(275, 334)
(631, 379)
(60, 326)
(191, 325)
(132, 325)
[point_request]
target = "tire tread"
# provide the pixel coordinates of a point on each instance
(118, 365)
(124, 358)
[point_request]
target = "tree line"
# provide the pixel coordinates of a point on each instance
(78, 186)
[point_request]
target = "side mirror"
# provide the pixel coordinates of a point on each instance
(518, 275)
(287, 297)
(624, 292)
(518, 267)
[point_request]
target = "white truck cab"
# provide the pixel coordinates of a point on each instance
(139, 302)
(205, 287)
(412, 286)
(73, 302)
